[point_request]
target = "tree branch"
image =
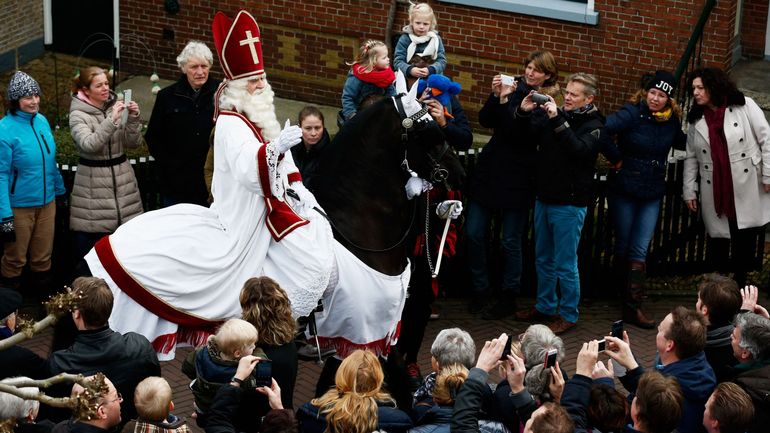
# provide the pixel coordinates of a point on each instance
(56, 306)
(83, 405)
(28, 332)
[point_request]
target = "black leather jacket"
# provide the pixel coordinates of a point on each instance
(125, 359)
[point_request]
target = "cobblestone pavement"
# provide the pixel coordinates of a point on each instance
(596, 318)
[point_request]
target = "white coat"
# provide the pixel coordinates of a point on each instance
(748, 145)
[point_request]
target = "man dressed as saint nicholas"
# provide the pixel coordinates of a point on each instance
(176, 272)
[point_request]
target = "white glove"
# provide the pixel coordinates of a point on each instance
(290, 136)
(449, 209)
(416, 186)
(306, 198)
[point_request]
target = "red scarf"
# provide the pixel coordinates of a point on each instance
(380, 78)
(724, 197)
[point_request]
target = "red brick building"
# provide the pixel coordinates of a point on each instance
(21, 34)
(307, 43)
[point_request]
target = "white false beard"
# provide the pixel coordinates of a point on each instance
(257, 107)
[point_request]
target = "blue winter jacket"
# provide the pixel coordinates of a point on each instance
(697, 380)
(355, 91)
(401, 63)
(28, 173)
(643, 144)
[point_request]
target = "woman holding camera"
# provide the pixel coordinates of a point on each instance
(504, 180)
(644, 130)
(728, 147)
(105, 193)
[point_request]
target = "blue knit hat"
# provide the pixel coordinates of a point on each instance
(22, 85)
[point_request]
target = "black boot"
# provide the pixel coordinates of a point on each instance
(40, 285)
(619, 275)
(11, 283)
(632, 305)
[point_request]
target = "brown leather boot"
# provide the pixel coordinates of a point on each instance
(632, 306)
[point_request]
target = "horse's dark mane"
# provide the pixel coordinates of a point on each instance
(355, 127)
(351, 144)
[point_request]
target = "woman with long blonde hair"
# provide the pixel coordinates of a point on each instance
(357, 403)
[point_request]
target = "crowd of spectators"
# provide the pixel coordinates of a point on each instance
(678, 392)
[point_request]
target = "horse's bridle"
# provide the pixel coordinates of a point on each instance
(438, 173)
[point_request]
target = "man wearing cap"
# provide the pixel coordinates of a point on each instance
(182, 267)
(29, 184)
(637, 140)
(15, 360)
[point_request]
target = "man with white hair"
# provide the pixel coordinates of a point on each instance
(452, 346)
(751, 347)
(23, 410)
(180, 126)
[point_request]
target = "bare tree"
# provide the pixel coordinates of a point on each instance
(84, 405)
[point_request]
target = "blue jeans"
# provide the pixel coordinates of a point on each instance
(477, 224)
(557, 235)
(634, 225)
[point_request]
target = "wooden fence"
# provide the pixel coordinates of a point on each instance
(679, 245)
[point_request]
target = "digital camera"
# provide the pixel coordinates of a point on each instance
(539, 98)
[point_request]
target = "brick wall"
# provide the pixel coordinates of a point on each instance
(307, 43)
(753, 28)
(21, 31)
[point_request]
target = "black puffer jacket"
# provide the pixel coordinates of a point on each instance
(504, 175)
(568, 147)
(178, 138)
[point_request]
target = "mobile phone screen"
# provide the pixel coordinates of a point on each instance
(507, 348)
(617, 329)
(550, 358)
(263, 373)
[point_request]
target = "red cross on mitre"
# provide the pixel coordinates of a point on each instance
(238, 44)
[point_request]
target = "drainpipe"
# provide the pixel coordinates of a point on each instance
(391, 20)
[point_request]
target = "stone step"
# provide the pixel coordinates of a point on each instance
(751, 77)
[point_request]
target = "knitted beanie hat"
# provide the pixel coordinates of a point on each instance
(663, 81)
(22, 85)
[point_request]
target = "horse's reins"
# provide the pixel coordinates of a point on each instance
(438, 174)
(359, 247)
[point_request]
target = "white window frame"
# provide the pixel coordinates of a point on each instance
(564, 10)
